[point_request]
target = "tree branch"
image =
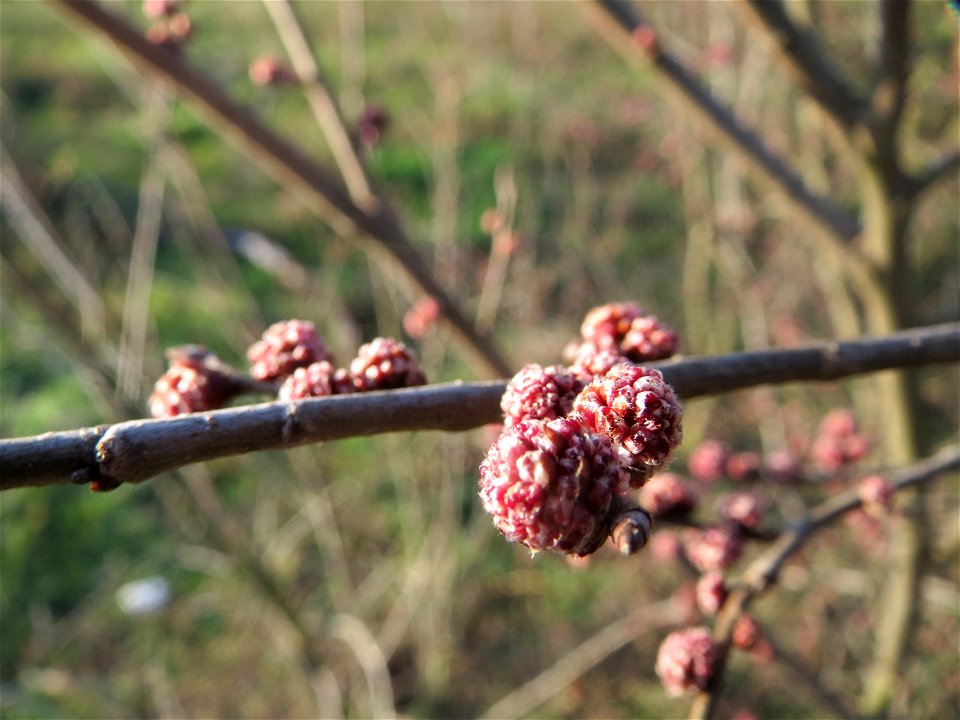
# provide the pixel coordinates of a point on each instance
(137, 450)
(746, 143)
(802, 53)
(944, 167)
(288, 164)
(763, 572)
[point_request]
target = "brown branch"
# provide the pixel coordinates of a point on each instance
(890, 93)
(763, 572)
(800, 50)
(140, 449)
(288, 164)
(315, 89)
(945, 167)
(825, 213)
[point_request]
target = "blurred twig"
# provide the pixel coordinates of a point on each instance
(292, 168)
(316, 90)
(137, 450)
(37, 233)
(583, 658)
(827, 215)
(763, 572)
(802, 53)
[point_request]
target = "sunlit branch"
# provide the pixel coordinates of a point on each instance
(140, 449)
(761, 574)
(290, 166)
(731, 129)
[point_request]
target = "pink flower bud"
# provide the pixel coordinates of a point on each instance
(549, 485)
(708, 461)
(686, 660)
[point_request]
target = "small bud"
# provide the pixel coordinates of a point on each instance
(713, 548)
(711, 592)
(284, 347)
(667, 494)
(743, 466)
(877, 495)
(385, 364)
(631, 530)
(640, 413)
(746, 633)
(708, 461)
(549, 485)
(686, 660)
(539, 393)
(270, 70)
(744, 509)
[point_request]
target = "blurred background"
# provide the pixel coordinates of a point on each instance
(539, 175)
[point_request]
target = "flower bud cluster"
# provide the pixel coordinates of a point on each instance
(622, 329)
(290, 353)
(838, 441)
(574, 441)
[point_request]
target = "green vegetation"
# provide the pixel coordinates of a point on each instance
(616, 198)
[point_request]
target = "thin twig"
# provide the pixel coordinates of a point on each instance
(825, 213)
(290, 166)
(583, 658)
(317, 92)
(800, 50)
(944, 168)
(140, 449)
(762, 573)
(35, 229)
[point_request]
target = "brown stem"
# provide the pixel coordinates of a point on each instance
(826, 214)
(945, 167)
(290, 166)
(762, 573)
(137, 450)
(800, 50)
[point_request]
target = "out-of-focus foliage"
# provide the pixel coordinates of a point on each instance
(616, 197)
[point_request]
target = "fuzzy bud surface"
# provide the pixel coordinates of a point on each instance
(385, 364)
(284, 347)
(538, 393)
(549, 485)
(686, 660)
(640, 413)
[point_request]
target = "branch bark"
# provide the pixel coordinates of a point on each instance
(821, 210)
(137, 450)
(288, 164)
(763, 572)
(804, 56)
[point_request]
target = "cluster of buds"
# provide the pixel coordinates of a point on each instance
(271, 70)
(290, 354)
(623, 329)
(573, 444)
(170, 27)
(838, 441)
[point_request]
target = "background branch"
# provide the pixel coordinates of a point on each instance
(801, 52)
(137, 450)
(826, 214)
(287, 164)
(763, 572)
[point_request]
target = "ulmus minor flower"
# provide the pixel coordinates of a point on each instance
(549, 485)
(284, 347)
(539, 393)
(686, 660)
(640, 413)
(384, 364)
